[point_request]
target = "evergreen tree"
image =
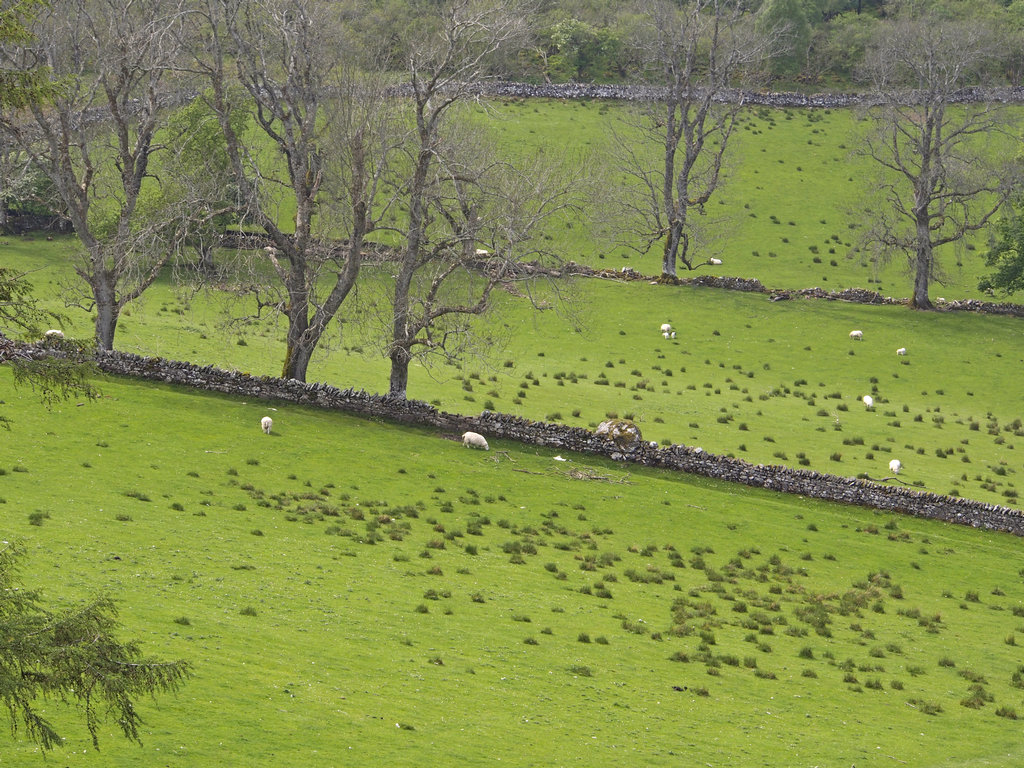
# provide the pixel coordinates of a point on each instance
(71, 655)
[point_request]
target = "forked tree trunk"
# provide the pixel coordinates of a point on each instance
(671, 254)
(296, 362)
(107, 311)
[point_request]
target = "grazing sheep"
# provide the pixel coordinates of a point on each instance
(54, 333)
(482, 252)
(857, 335)
(869, 401)
(666, 334)
(266, 424)
(672, 335)
(475, 440)
(666, 327)
(895, 466)
(901, 351)
(714, 262)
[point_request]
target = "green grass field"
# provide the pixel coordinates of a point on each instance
(360, 593)
(769, 382)
(356, 593)
(791, 212)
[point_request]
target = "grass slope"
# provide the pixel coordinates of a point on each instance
(361, 593)
(791, 212)
(770, 382)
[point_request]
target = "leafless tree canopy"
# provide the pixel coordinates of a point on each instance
(696, 51)
(95, 139)
(292, 64)
(458, 197)
(943, 173)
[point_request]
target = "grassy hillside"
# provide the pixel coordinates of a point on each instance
(770, 382)
(366, 594)
(796, 200)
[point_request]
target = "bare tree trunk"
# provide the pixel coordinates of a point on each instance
(922, 265)
(296, 363)
(205, 264)
(673, 243)
(398, 383)
(298, 348)
(107, 311)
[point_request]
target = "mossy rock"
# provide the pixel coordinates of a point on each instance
(623, 432)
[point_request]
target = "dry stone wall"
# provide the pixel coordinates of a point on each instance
(559, 437)
(774, 99)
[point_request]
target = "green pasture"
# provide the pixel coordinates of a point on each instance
(769, 382)
(791, 213)
(356, 593)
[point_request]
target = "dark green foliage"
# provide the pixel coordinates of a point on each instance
(72, 654)
(1007, 257)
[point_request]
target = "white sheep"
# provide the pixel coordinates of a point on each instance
(895, 466)
(901, 351)
(482, 252)
(714, 262)
(857, 335)
(869, 401)
(666, 327)
(54, 333)
(266, 424)
(666, 334)
(475, 440)
(672, 335)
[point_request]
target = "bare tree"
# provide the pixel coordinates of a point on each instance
(94, 139)
(702, 52)
(469, 218)
(330, 128)
(943, 174)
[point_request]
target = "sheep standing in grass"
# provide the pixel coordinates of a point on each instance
(714, 262)
(666, 328)
(857, 335)
(266, 424)
(895, 466)
(475, 440)
(54, 333)
(869, 402)
(901, 351)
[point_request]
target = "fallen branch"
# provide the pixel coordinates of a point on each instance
(587, 474)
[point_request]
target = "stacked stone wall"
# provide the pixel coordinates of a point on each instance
(772, 99)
